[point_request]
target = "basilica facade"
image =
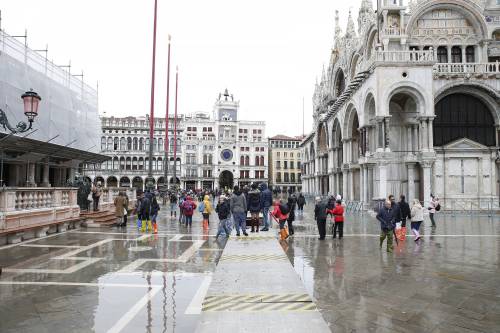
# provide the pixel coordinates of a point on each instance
(410, 104)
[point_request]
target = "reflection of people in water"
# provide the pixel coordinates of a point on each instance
(338, 265)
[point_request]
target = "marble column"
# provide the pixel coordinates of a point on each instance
(372, 182)
(409, 140)
(430, 134)
(380, 134)
(416, 143)
(423, 134)
(45, 176)
(351, 184)
(345, 185)
(31, 175)
(411, 182)
(365, 184)
(382, 189)
(427, 173)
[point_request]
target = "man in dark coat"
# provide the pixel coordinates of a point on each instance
(266, 199)
(254, 205)
(320, 217)
(386, 218)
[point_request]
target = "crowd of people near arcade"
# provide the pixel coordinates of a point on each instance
(245, 208)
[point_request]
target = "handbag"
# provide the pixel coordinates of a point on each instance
(89, 198)
(125, 211)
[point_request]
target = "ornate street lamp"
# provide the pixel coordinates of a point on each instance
(31, 101)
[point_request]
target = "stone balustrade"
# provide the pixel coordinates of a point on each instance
(27, 212)
(392, 31)
(413, 56)
(464, 69)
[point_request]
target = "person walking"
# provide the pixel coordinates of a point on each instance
(238, 205)
(417, 217)
(320, 217)
(281, 213)
(155, 208)
(182, 218)
(96, 195)
(137, 209)
(146, 212)
(127, 210)
(266, 198)
(291, 214)
(173, 205)
(206, 210)
(433, 207)
(404, 210)
(120, 203)
(223, 211)
(188, 207)
(338, 219)
(254, 205)
(301, 202)
(386, 218)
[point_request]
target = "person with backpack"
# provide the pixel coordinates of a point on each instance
(205, 208)
(254, 205)
(188, 207)
(301, 202)
(238, 205)
(338, 219)
(386, 218)
(266, 198)
(434, 207)
(138, 209)
(146, 212)
(320, 216)
(291, 214)
(280, 213)
(155, 208)
(223, 211)
(173, 205)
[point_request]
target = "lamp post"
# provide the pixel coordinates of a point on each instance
(150, 179)
(31, 101)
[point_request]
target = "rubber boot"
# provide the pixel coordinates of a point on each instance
(155, 228)
(257, 225)
(143, 226)
(150, 226)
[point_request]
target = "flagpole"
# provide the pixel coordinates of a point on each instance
(150, 179)
(175, 123)
(167, 146)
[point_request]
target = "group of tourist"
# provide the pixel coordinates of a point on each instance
(393, 215)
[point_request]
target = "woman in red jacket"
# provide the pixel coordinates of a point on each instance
(338, 218)
(280, 213)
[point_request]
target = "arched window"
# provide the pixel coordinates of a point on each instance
(456, 54)
(339, 83)
(469, 54)
(463, 116)
(155, 144)
(141, 144)
(242, 160)
(442, 54)
(136, 144)
(134, 163)
(129, 144)
(103, 143)
(257, 160)
(128, 164)
(160, 164)
(110, 143)
(122, 163)
(147, 144)
(247, 160)
(262, 161)
(116, 144)
(154, 163)
(123, 144)
(141, 163)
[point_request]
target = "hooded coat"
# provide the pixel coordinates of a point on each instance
(266, 196)
(238, 203)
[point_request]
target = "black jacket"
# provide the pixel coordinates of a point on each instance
(404, 210)
(320, 211)
(223, 210)
(386, 218)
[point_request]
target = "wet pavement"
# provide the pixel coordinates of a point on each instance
(119, 280)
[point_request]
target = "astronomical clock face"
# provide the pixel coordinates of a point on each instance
(226, 117)
(226, 155)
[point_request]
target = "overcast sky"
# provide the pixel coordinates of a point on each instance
(266, 52)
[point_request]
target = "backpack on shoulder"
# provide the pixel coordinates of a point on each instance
(201, 207)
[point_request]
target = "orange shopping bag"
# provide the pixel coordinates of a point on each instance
(402, 234)
(284, 233)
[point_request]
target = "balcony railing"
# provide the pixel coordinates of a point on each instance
(392, 31)
(463, 69)
(404, 56)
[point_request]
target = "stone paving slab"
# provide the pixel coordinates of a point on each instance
(255, 290)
